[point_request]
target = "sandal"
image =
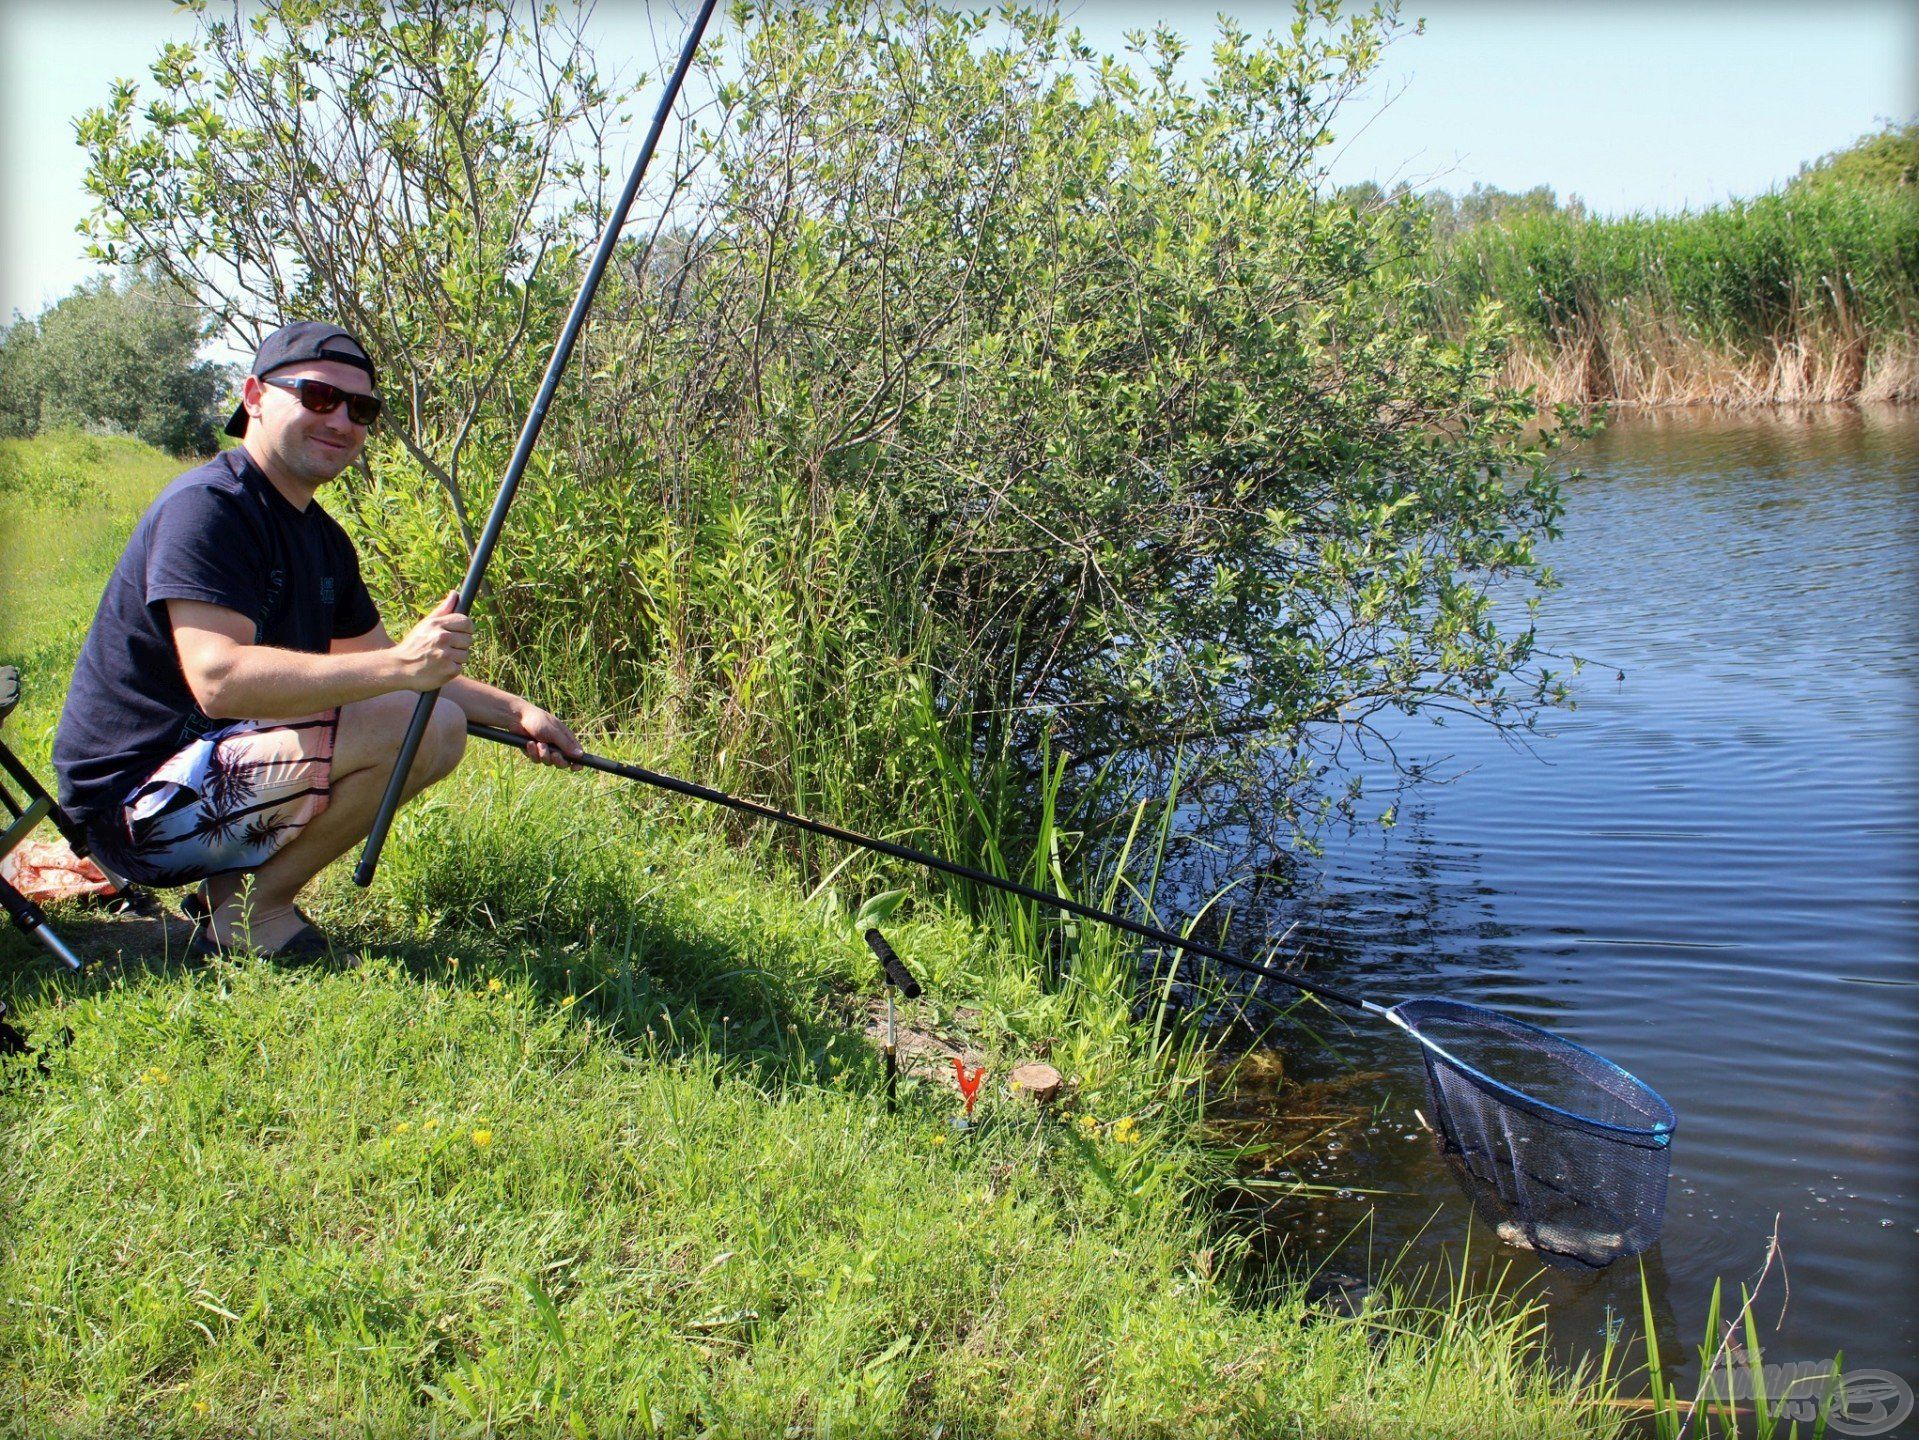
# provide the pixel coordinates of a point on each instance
(309, 945)
(196, 908)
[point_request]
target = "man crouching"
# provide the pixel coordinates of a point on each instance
(238, 705)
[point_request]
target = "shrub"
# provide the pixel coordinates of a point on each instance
(118, 358)
(1887, 159)
(967, 388)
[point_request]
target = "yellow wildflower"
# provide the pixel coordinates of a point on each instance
(939, 1139)
(483, 1138)
(1126, 1130)
(493, 986)
(567, 1000)
(405, 1127)
(1089, 1123)
(200, 1407)
(432, 1122)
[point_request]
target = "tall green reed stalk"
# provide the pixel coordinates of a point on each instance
(1097, 846)
(743, 641)
(1652, 305)
(1719, 1406)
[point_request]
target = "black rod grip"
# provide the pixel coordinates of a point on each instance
(897, 975)
(529, 436)
(696, 791)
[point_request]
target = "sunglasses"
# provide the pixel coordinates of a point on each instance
(323, 399)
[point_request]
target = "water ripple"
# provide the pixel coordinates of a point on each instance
(1707, 870)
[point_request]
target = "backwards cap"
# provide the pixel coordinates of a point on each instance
(298, 344)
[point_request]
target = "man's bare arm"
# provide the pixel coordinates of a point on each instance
(234, 679)
(549, 740)
(485, 704)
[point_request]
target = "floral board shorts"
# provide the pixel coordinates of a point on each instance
(227, 802)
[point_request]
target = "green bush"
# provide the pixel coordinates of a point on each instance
(969, 389)
(118, 358)
(1887, 159)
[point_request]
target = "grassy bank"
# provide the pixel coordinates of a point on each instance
(67, 504)
(1797, 297)
(592, 1146)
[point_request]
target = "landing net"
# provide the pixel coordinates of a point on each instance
(1562, 1151)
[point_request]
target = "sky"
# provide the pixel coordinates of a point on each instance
(1631, 104)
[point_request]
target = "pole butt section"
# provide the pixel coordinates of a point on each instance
(395, 789)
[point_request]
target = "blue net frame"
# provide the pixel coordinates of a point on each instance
(1561, 1150)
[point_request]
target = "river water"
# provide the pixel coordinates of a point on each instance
(1708, 871)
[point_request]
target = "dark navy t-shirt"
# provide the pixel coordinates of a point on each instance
(219, 533)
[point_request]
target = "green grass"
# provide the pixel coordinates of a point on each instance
(1740, 274)
(67, 504)
(591, 1146)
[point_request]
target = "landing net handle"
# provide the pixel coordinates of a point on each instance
(1573, 1167)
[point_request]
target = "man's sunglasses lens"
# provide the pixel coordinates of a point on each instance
(324, 399)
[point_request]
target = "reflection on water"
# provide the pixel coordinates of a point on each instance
(1708, 871)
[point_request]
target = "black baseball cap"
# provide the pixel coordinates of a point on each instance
(297, 344)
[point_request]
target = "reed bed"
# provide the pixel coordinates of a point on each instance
(1793, 298)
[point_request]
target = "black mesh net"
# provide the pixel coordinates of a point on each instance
(1562, 1151)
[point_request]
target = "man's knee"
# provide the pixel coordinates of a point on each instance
(445, 740)
(372, 731)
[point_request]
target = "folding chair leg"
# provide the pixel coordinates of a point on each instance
(75, 837)
(70, 832)
(29, 917)
(38, 806)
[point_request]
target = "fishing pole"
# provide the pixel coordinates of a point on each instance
(529, 435)
(696, 791)
(1568, 1152)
